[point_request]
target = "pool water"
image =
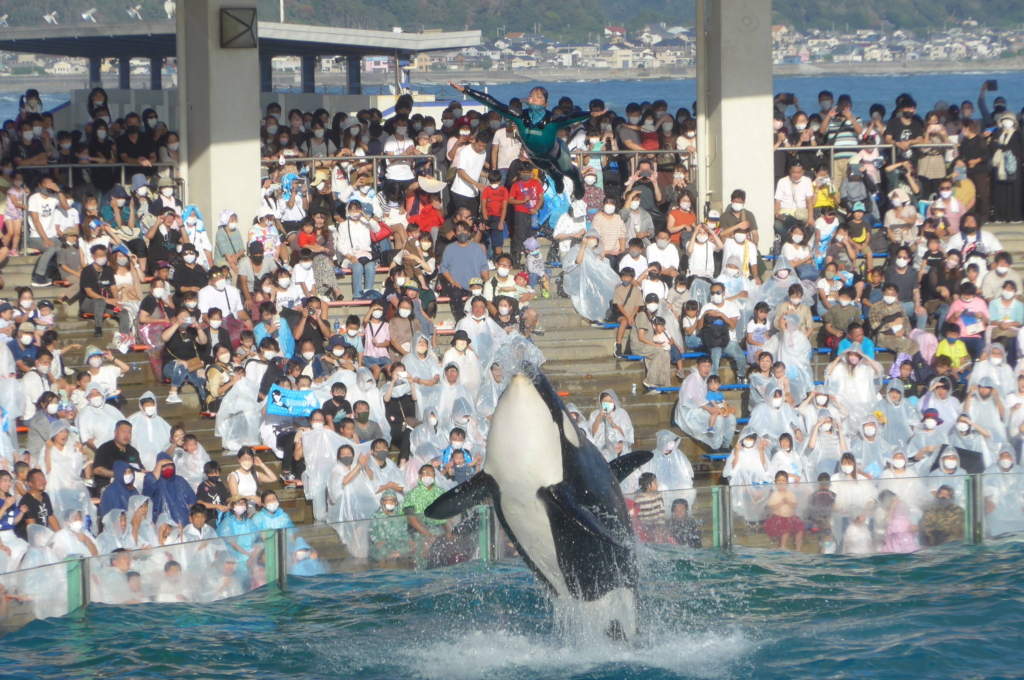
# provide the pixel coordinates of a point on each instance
(953, 612)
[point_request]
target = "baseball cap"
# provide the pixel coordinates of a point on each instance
(256, 248)
(162, 265)
(714, 216)
(26, 327)
(476, 282)
(859, 207)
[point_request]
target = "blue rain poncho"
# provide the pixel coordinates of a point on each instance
(173, 496)
(117, 493)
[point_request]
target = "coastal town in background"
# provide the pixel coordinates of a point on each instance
(655, 50)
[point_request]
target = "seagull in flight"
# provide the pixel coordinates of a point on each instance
(3, 21)
(171, 7)
(133, 12)
(88, 16)
(51, 18)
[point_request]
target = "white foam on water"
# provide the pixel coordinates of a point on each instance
(505, 655)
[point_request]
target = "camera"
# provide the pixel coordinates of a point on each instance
(311, 311)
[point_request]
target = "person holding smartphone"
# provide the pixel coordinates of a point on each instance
(181, 355)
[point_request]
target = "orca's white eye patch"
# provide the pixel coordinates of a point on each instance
(569, 428)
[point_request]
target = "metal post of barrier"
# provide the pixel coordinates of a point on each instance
(975, 516)
(716, 517)
(281, 541)
(726, 497)
(78, 583)
(484, 542)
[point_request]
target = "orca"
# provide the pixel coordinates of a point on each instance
(560, 503)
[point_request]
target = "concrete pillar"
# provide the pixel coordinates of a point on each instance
(219, 105)
(308, 74)
(734, 106)
(354, 64)
(266, 73)
(124, 73)
(156, 77)
(95, 72)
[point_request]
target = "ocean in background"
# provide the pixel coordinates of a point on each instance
(949, 612)
(926, 88)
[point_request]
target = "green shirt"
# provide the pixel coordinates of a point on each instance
(391, 530)
(419, 499)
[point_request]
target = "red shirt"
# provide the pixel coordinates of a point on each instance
(493, 200)
(531, 191)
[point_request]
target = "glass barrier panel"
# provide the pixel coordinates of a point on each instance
(39, 592)
(681, 517)
(384, 541)
(193, 571)
(853, 517)
(1002, 503)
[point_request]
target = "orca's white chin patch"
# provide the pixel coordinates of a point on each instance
(611, 617)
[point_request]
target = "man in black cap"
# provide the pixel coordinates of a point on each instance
(251, 269)
(164, 237)
(98, 290)
(189, 277)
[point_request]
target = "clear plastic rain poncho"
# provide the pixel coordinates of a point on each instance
(997, 368)
(146, 537)
(349, 503)
(470, 369)
(759, 386)
(591, 283)
(46, 588)
(580, 420)
(114, 535)
(821, 399)
(855, 494)
(238, 419)
(748, 477)
(12, 400)
(906, 483)
(97, 423)
(424, 454)
(672, 468)
(490, 390)
(922, 439)
(430, 431)
(150, 436)
(365, 389)
(870, 449)
(972, 440)
(189, 464)
(824, 456)
(201, 547)
(239, 535)
(949, 408)
(775, 290)
(170, 540)
(943, 475)
(485, 340)
(464, 415)
(603, 437)
(320, 451)
(774, 417)
(855, 382)
(447, 394)
(985, 414)
(897, 415)
(792, 348)
(791, 462)
(691, 418)
(383, 475)
(424, 366)
(322, 392)
(64, 483)
(1003, 485)
(735, 285)
(223, 579)
(66, 543)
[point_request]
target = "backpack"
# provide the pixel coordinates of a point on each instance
(715, 333)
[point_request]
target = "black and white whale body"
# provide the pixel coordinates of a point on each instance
(560, 503)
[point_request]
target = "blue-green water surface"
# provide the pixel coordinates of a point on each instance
(952, 612)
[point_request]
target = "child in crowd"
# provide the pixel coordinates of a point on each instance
(826, 543)
(21, 470)
(954, 348)
(14, 213)
(494, 203)
(535, 266)
(678, 296)
(44, 319)
(458, 468)
(691, 338)
(819, 514)
(634, 257)
(872, 292)
(352, 335)
(828, 288)
(911, 388)
(782, 380)
(302, 275)
(650, 509)
(78, 392)
(783, 522)
(524, 292)
(246, 347)
(825, 193)
(716, 405)
(668, 343)
(757, 332)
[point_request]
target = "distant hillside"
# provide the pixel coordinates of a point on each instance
(567, 20)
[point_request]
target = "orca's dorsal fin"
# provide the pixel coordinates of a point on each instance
(562, 498)
(626, 464)
(461, 498)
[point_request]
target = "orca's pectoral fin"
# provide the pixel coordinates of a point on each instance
(626, 464)
(562, 498)
(461, 498)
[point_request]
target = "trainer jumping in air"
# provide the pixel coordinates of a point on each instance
(538, 129)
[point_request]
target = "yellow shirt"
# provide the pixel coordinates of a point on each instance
(826, 197)
(957, 352)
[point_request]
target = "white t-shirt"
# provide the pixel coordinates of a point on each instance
(795, 253)
(702, 259)
(228, 301)
(398, 171)
(788, 200)
(46, 207)
(472, 163)
(108, 377)
(667, 258)
(638, 264)
(754, 326)
(728, 308)
(656, 286)
(508, 148)
(62, 220)
(301, 275)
